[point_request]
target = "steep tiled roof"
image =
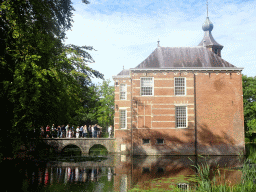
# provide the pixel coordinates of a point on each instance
(208, 40)
(183, 57)
(124, 72)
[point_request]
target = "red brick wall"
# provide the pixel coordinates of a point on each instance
(219, 105)
(123, 136)
(219, 109)
(154, 116)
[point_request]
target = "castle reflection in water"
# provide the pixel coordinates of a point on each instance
(121, 173)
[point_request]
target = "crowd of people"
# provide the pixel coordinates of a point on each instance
(92, 131)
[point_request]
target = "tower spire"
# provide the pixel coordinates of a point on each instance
(207, 7)
(208, 40)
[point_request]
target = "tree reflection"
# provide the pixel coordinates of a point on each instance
(121, 174)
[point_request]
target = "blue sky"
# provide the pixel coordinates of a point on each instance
(124, 33)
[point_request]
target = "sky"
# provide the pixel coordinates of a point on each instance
(125, 32)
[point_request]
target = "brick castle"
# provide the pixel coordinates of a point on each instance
(181, 101)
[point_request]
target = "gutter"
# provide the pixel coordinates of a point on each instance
(190, 69)
(121, 76)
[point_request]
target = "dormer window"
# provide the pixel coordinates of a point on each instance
(216, 51)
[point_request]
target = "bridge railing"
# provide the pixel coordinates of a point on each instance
(64, 134)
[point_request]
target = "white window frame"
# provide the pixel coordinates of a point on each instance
(176, 116)
(152, 86)
(121, 91)
(123, 147)
(183, 186)
(185, 90)
(123, 109)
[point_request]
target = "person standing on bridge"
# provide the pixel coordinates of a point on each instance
(53, 130)
(42, 131)
(48, 131)
(99, 131)
(92, 130)
(109, 131)
(77, 132)
(73, 131)
(69, 133)
(85, 131)
(67, 130)
(81, 131)
(58, 131)
(89, 131)
(95, 130)
(62, 131)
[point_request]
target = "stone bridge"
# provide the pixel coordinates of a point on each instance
(83, 143)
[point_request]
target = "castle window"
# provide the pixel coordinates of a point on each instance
(180, 86)
(183, 186)
(160, 169)
(122, 118)
(145, 141)
(145, 170)
(160, 141)
(216, 51)
(146, 86)
(123, 91)
(181, 116)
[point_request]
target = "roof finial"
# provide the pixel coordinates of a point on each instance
(158, 45)
(123, 66)
(207, 26)
(207, 7)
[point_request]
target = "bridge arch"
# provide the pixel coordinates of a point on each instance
(84, 144)
(71, 150)
(98, 149)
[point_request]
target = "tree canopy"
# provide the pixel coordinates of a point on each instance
(106, 99)
(249, 99)
(42, 80)
(98, 106)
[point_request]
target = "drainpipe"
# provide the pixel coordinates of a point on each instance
(131, 119)
(195, 114)
(131, 135)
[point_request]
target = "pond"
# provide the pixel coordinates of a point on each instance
(116, 172)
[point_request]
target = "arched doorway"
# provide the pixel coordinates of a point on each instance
(98, 149)
(71, 150)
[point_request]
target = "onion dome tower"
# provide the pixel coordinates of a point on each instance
(208, 40)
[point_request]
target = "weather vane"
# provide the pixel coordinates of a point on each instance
(158, 43)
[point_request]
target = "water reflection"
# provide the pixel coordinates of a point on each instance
(163, 171)
(72, 175)
(121, 173)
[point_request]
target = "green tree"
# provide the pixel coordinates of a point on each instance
(88, 113)
(106, 104)
(41, 79)
(249, 99)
